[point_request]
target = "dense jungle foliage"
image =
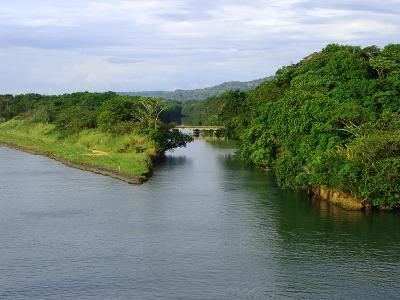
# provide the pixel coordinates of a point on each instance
(331, 120)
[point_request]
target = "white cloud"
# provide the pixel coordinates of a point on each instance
(57, 46)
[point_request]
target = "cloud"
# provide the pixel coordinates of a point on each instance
(55, 46)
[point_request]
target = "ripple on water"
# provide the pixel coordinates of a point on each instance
(204, 227)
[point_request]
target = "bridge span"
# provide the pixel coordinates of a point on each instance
(196, 129)
(199, 127)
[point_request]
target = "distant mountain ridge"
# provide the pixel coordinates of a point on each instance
(201, 94)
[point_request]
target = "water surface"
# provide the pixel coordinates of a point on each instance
(203, 227)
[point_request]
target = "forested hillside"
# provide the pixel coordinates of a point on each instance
(201, 94)
(331, 120)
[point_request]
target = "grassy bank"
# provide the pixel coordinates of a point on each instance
(105, 133)
(127, 155)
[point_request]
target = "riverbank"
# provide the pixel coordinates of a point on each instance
(125, 157)
(341, 199)
(139, 179)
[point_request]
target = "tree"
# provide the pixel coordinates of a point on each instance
(167, 138)
(151, 109)
(115, 112)
(330, 120)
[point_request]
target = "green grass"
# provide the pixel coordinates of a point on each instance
(129, 154)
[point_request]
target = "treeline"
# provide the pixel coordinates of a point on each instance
(331, 120)
(217, 110)
(201, 94)
(107, 112)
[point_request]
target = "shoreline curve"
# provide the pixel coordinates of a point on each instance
(131, 179)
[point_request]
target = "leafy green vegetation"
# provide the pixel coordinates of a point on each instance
(331, 120)
(120, 133)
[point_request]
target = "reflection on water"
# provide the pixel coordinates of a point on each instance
(174, 161)
(204, 227)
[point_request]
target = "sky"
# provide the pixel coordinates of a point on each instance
(58, 46)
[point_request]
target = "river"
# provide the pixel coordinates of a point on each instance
(204, 227)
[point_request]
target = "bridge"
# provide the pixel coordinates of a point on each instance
(196, 129)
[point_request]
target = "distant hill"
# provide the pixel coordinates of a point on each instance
(201, 94)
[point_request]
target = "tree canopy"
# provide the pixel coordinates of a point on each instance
(331, 120)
